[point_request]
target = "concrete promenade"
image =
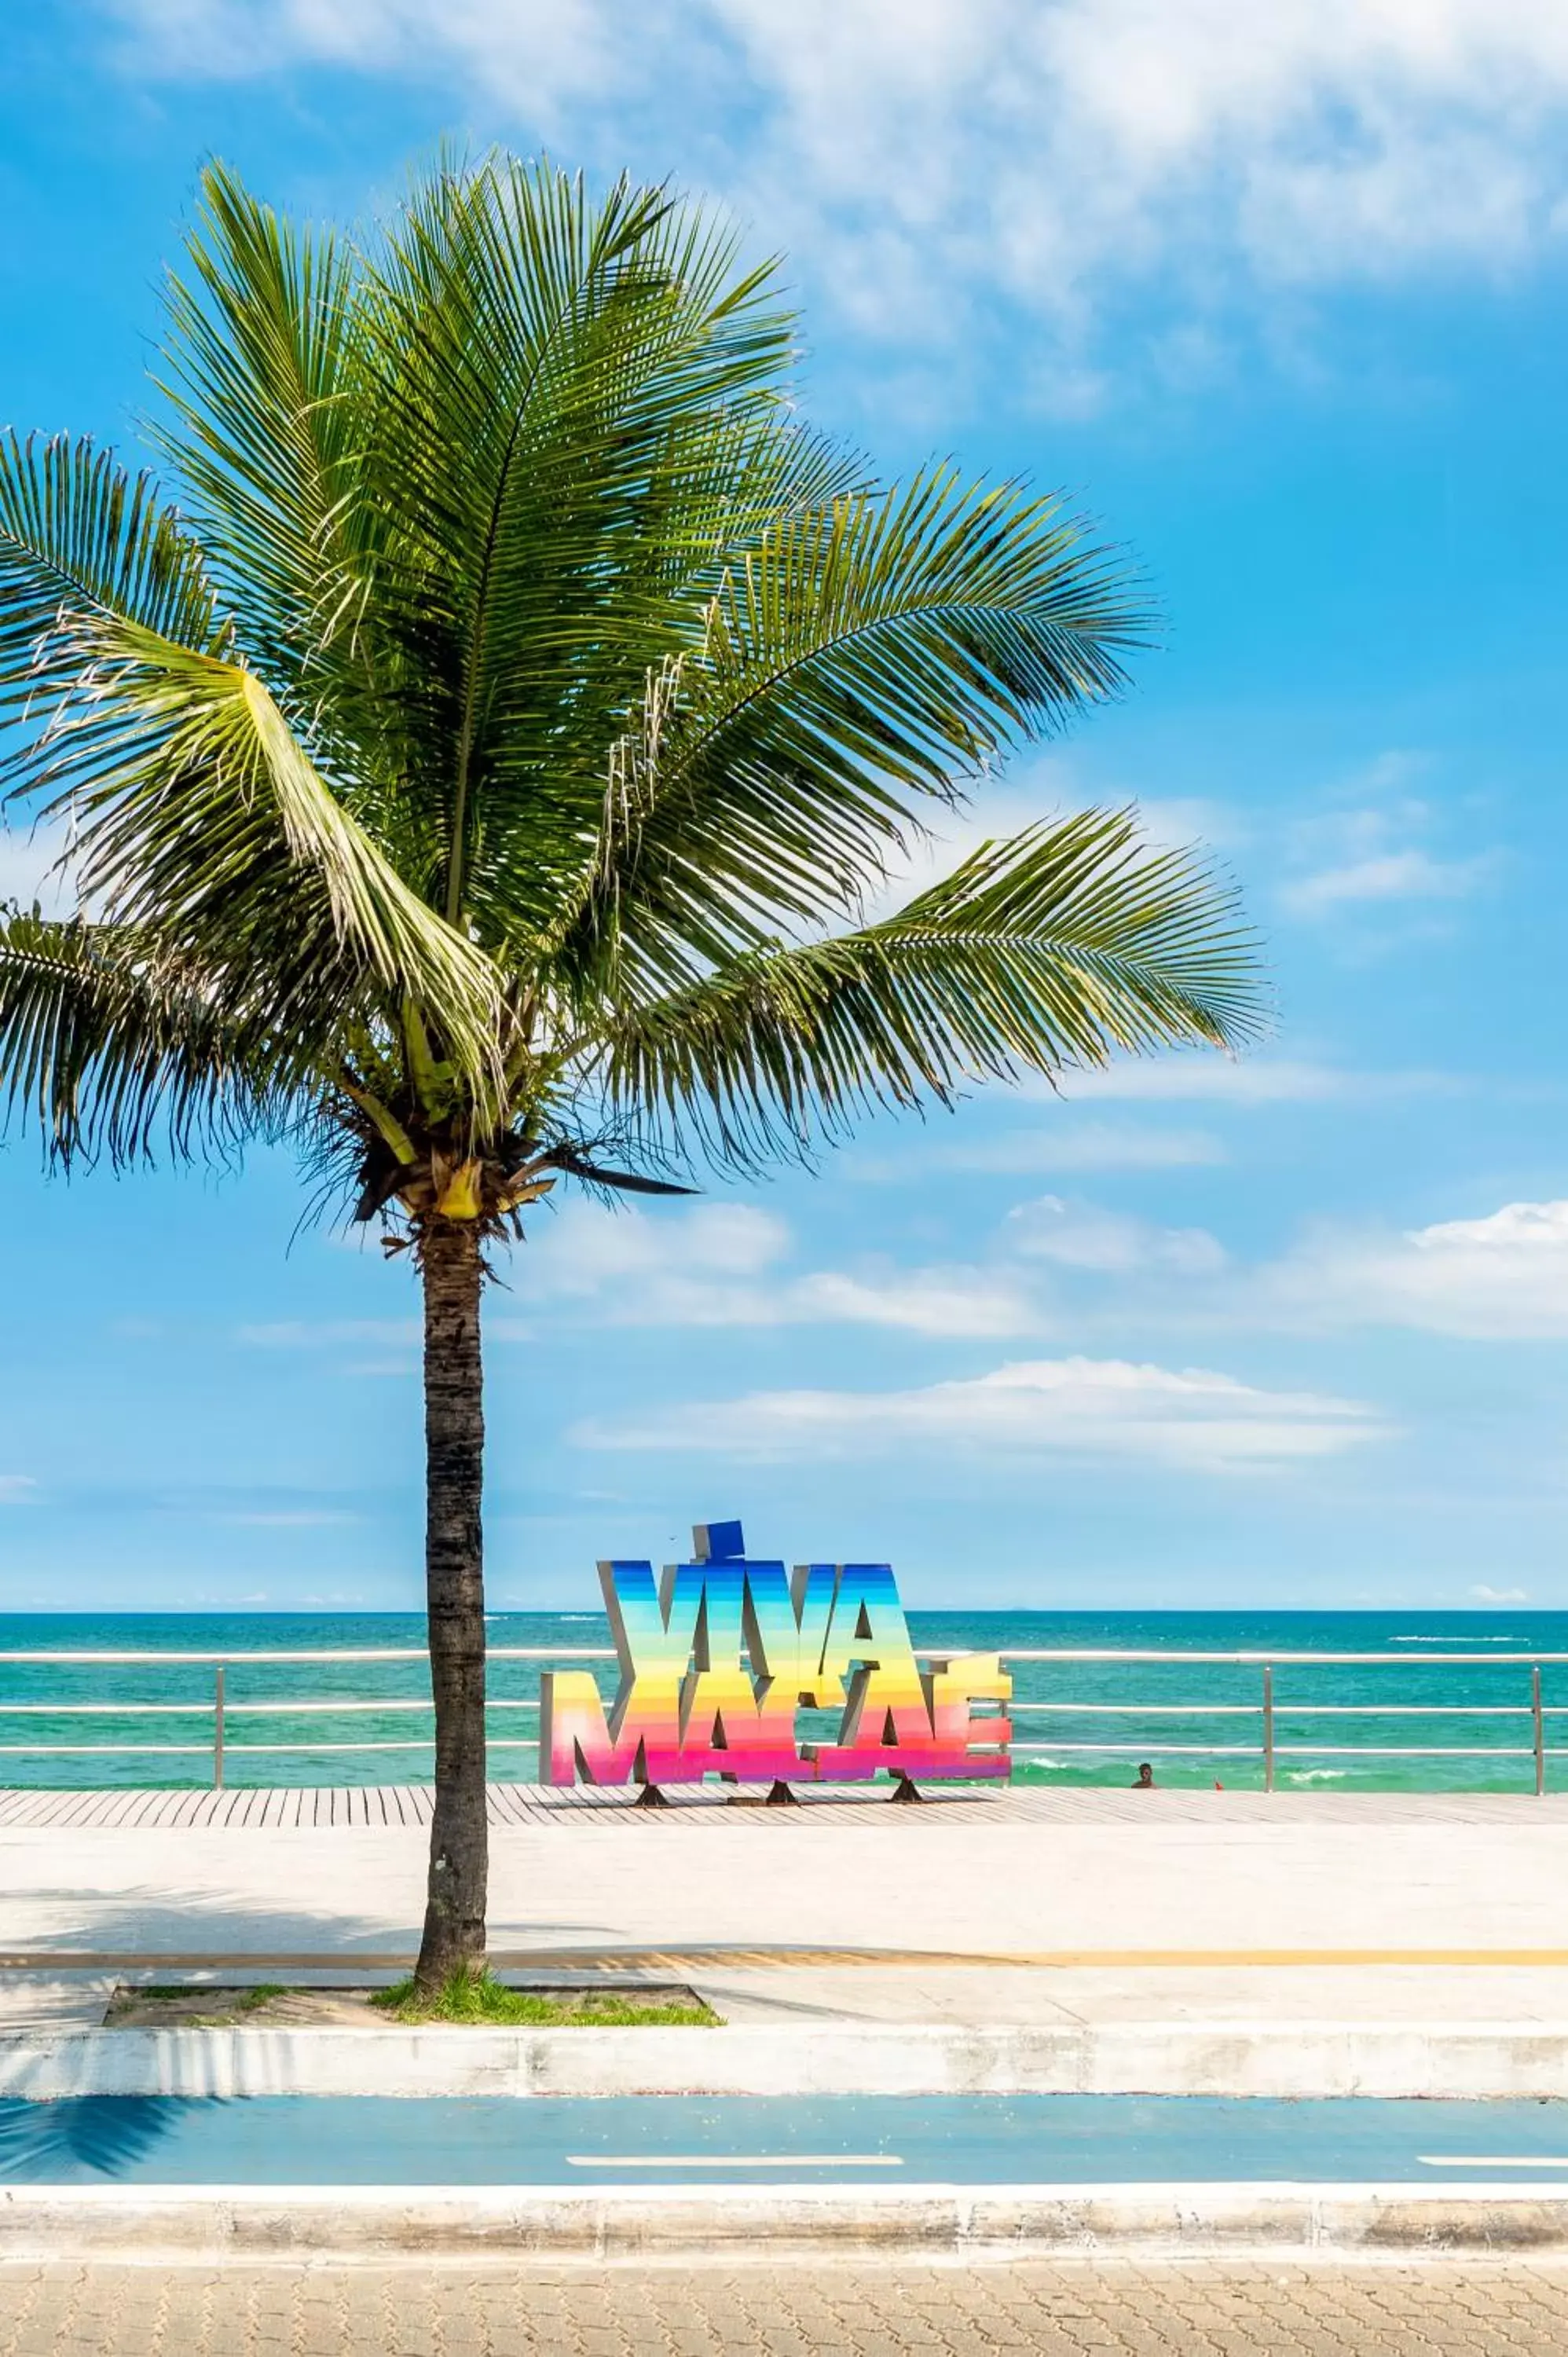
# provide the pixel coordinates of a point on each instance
(1513, 2309)
(1032, 1906)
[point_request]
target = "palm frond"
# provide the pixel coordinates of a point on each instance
(575, 1165)
(198, 808)
(79, 535)
(108, 1043)
(1045, 952)
(864, 660)
(262, 364)
(566, 388)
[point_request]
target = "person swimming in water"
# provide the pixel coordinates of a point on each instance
(1143, 1782)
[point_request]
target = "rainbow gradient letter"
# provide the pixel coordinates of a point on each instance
(718, 1656)
(654, 1633)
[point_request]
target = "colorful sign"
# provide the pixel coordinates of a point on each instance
(717, 1657)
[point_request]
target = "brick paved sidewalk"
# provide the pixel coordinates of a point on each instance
(1506, 2309)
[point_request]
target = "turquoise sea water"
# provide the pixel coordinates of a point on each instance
(1426, 1692)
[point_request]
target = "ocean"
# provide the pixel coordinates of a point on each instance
(1426, 1694)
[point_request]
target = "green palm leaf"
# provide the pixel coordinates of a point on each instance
(197, 810)
(263, 363)
(108, 1043)
(1041, 954)
(551, 442)
(79, 535)
(865, 658)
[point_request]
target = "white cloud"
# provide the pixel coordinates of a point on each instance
(1388, 875)
(1057, 1146)
(713, 1264)
(28, 857)
(1076, 1407)
(929, 155)
(1205, 1079)
(1243, 1081)
(589, 1247)
(1084, 1236)
(1501, 1277)
(959, 1301)
(718, 1264)
(1371, 849)
(1484, 1595)
(17, 1490)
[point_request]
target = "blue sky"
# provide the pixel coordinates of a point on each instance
(1279, 294)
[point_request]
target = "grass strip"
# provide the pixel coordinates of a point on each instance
(468, 1996)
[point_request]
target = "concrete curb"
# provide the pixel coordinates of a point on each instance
(158, 2224)
(1496, 2060)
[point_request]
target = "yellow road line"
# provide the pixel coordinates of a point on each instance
(1052, 1959)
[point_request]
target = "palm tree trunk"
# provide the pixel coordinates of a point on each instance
(455, 1585)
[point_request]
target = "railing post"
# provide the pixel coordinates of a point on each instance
(1268, 1727)
(1540, 1717)
(218, 1729)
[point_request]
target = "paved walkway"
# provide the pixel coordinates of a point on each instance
(1509, 2310)
(1030, 1905)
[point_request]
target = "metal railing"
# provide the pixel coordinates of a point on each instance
(221, 1709)
(1266, 1708)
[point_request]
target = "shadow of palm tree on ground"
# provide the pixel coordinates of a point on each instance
(203, 1924)
(94, 2136)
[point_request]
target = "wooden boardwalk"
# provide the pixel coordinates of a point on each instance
(289, 1805)
(381, 1806)
(251, 1805)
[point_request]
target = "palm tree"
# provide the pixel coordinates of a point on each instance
(478, 777)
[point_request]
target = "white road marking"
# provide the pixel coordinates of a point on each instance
(735, 2160)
